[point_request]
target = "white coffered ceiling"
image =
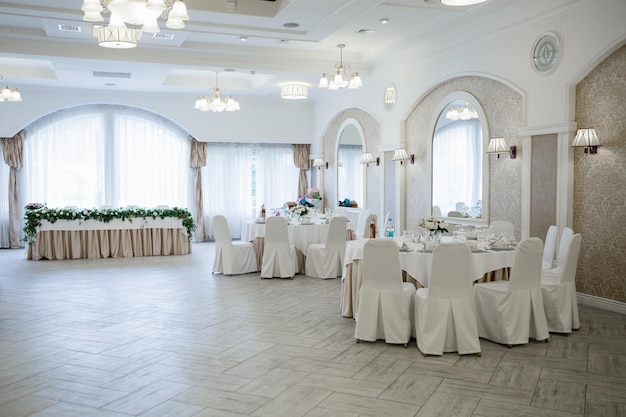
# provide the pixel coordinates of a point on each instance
(35, 50)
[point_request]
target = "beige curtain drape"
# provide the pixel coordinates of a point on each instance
(301, 161)
(197, 160)
(13, 157)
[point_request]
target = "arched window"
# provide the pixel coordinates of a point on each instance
(106, 155)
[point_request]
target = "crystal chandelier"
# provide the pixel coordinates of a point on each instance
(9, 94)
(215, 102)
(142, 15)
(341, 79)
(462, 113)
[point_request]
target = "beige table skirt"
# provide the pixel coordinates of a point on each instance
(124, 243)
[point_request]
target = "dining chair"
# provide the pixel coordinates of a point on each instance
(436, 211)
(325, 260)
(566, 237)
(454, 213)
(558, 288)
(362, 230)
(445, 318)
(385, 302)
(549, 248)
(501, 228)
(279, 256)
(511, 312)
(231, 258)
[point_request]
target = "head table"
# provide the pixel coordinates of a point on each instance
(300, 235)
(73, 239)
(417, 266)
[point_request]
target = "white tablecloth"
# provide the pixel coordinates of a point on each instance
(74, 239)
(417, 265)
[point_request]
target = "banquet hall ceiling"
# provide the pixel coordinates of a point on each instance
(34, 50)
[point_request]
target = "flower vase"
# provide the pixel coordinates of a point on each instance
(435, 236)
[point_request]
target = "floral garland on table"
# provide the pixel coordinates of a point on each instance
(36, 212)
(434, 225)
(299, 210)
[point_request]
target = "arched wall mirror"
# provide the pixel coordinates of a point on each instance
(459, 163)
(350, 171)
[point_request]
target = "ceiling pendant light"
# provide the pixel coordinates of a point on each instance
(294, 91)
(462, 113)
(340, 79)
(9, 94)
(215, 103)
(142, 15)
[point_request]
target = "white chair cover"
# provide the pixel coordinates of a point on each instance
(231, 258)
(436, 211)
(558, 287)
(445, 319)
(501, 228)
(549, 248)
(363, 225)
(325, 260)
(566, 237)
(509, 312)
(454, 213)
(279, 256)
(385, 302)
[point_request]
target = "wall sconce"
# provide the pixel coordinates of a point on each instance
(498, 146)
(588, 139)
(319, 163)
(401, 155)
(367, 158)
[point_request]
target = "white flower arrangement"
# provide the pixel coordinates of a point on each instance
(299, 210)
(433, 224)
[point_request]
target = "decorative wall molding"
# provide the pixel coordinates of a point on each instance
(602, 303)
(568, 127)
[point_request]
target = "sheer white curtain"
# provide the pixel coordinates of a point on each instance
(457, 156)
(350, 173)
(96, 155)
(4, 203)
(227, 185)
(276, 176)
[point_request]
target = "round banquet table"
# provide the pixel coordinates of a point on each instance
(416, 265)
(300, 235)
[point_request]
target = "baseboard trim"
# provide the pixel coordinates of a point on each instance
(603, 303)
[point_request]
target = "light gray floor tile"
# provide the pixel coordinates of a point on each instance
(363, 406)
(162, 336)
(411, 388)
(173, 409)
(444, 405)
(384, 368)
(558, 395)
(222, 400)
(488, 408)
(362, 387)
(295, 402)
(273, 382)
(486, 391)
(516, 375)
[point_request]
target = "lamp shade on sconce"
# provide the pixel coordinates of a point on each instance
(588, 139)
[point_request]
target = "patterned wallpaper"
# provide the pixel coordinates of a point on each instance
(503, 109)
(371, 130)
(600, 181)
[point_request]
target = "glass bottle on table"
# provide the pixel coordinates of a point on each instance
(372, 229)
(389, 230)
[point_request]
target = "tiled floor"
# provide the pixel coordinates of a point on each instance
(162, 336)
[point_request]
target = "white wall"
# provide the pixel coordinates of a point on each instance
(259, 120)
(590, 31)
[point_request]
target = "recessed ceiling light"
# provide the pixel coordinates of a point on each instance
(243, 38)
(229, 70)
(384, 20)
(365, 31)
(287, 41)
(291, 25)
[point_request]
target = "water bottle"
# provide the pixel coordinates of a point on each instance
(389, 231)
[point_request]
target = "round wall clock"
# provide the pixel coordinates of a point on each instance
(546, 53)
